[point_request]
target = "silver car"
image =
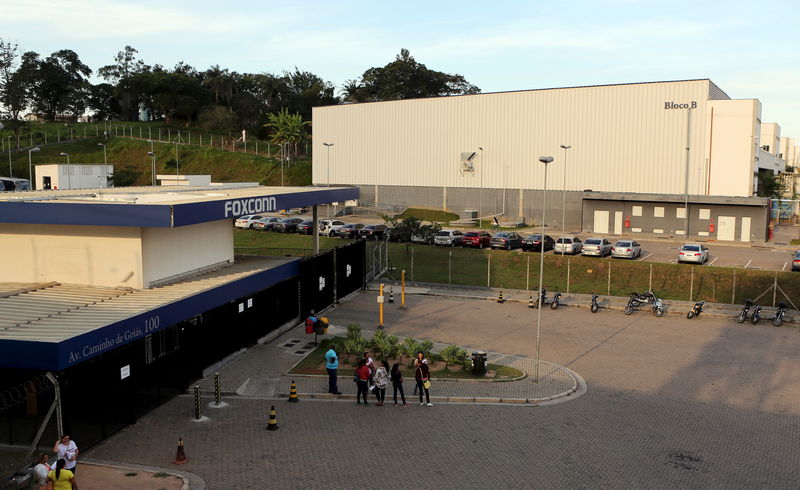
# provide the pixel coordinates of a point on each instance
(626, 249)
(568, 245)
(599, 247)
(693, 252)
(451, 238)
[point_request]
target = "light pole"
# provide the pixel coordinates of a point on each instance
(30, 166)
(546, 161)
(686, 183)
(153, 170)
(328, 146)
(69, 174)
(480, 193)
(105, 158)
(563, 198)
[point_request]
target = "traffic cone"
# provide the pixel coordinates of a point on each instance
(500, 298)
(273, 419)
(180, 455)
(530, 303)
(391, 295)
(293, 394)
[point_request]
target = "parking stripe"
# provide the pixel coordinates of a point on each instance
(642, 258)
(712, 262)
(748, 263)
(784, 266)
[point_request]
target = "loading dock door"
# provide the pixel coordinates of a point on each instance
(745, 228)
(601, 222)
(727, 228)
(618, 222)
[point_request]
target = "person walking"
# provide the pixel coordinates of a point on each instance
(381, 382)
(68, 451)
(422, 375)
(397, 384)
(40, 471)
(362, 378)
(62, 478)
(332, 364)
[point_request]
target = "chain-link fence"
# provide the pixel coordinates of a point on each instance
(520, 270)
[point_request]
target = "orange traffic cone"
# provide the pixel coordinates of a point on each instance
(180, 455)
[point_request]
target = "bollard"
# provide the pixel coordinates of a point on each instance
(217, 390)
(530, 302)
(500, 298)
(293, 394)
(180, 454)
(403, 290)
(391, 295)
(196, 402)
(273, 419)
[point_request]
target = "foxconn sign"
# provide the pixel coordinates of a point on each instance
(238, 207)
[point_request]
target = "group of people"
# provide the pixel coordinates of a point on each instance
(376, 378)
(62, 476)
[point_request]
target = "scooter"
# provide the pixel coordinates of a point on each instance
(595, 306)
(777, 318)
(748, 303)
(696, 310)
(554, 304)
(756, 314)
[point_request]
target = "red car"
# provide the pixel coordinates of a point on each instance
(477, 239)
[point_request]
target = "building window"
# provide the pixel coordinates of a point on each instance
(680, 213)
(704, 214)
(658, 212)
(636, 211)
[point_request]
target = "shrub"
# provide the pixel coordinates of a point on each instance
(353, 331)
(380, 343)
(410, 347)
(426, 347)
(450, 354)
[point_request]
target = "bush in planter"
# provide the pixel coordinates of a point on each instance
(353, 331)
(426, 346)
(410, 347)
(449, 355)
(380, 343)
(355, 348)
(393, 347)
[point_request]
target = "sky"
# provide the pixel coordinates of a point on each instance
(749, 49)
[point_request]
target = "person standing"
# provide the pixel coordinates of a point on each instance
(332, 364)
(362, 378)
(397, 384)
(62, 479)
(422, 375)
(41, 470)
(381, 382)
(68, 451)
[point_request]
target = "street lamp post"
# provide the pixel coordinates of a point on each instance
(563, 199)
(69, 173)
(546, 161)
(328, 146)
(105, 157)
(480, 196)
(153, 170)
(30, 166)
(686, 182)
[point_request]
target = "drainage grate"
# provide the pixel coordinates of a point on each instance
(684, 460)
(300, 351)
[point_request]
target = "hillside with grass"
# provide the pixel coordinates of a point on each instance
(130, 155)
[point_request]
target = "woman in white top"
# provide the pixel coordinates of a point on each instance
(68, 451)
(40, 471)
(381, 382)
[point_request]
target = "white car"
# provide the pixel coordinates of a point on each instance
(693, 252)
(451, 238)
(626, 249)
(567, 245)
(246, 221)
(599, 247)
(329, 226)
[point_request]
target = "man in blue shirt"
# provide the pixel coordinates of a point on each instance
(332, 364)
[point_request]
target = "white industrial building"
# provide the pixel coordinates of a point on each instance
(481, 151)
(76, 176)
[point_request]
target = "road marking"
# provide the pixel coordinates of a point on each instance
(748, 263)
(784, 266)
(642, 258)
(712, 262)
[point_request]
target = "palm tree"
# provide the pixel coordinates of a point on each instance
(287, 128)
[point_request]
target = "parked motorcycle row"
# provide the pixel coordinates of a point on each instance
(755, 315)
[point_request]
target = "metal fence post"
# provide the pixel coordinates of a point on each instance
(450, 268)
(568, 265)
(608, 291)
(412, 264)
(733, 292)
(650, 284)
(691, 283)
(488, 270)
(775, 287)
(528, 275)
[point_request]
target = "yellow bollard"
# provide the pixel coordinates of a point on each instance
(380, 306)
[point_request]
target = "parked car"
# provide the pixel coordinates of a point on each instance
(265, 224)
(373, 232)
(568, 245)
(477, 239)
(287, 225)
(599, 247)
(693, 252)
(506, 240)
(329, 226)
(246, 221)
(391, 235)
(452, 238)
(796, 261)
(305, 228)
(422, 239)
(350, 230)
(534, 242)
(626, 249)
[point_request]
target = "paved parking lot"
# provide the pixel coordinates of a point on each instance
(671, 403)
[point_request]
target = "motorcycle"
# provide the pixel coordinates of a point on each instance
(650, 297)
(748, 303)
(554, 304)
(696, 310)
(595, 306)
(756, 314)
(777, 318)
(544, 298)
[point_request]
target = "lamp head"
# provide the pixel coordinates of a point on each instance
(151, 153)
(566, 147)
(63, 154)
(545, 160)
(100, 144)
(35, 149)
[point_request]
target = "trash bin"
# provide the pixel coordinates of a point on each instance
(311, 323)
(322, 326)
(479, 363)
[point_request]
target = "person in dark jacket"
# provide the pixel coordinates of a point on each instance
(397, 383)
(422, 373)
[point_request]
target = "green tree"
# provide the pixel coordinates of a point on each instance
(220, 82)
(103, 102)
(405, 78)
(287, 129)
(411, 226)
(58, 84)
(124, 176)
(450, 354)
(769, 184)
(125, 65)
